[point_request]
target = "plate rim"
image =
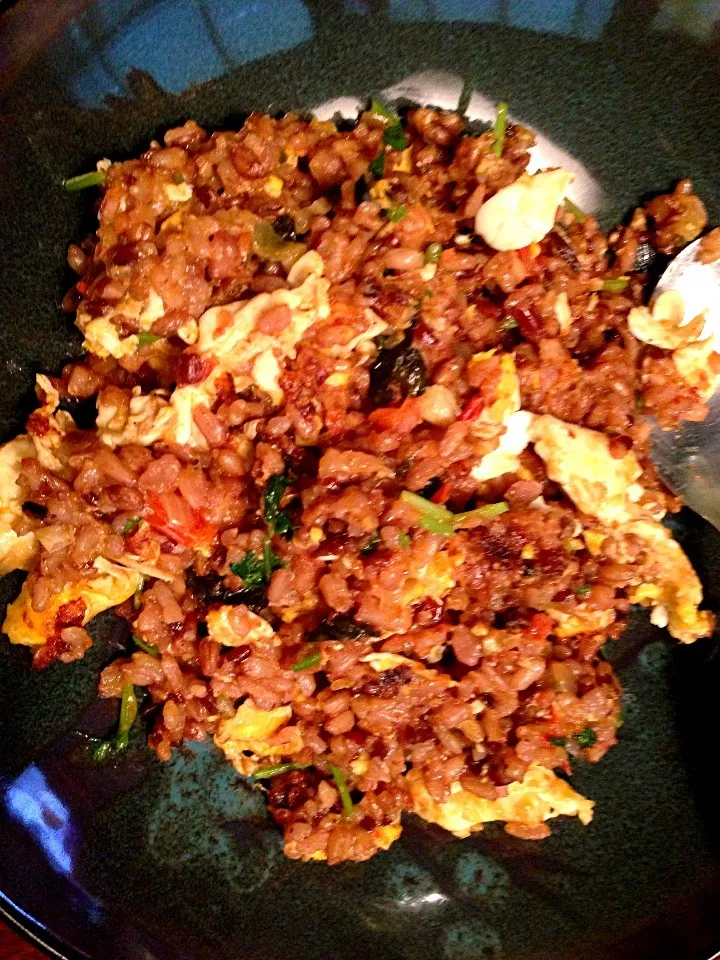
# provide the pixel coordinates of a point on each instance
(39, 936)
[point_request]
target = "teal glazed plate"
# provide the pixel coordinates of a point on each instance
(140, 860)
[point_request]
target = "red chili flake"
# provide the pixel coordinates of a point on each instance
(192, 368)
(442, 495)
(541, 626)
(474, 407)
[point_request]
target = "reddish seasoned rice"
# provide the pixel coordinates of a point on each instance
(504, 691)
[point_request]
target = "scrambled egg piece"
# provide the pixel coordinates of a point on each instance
(151, 418)
(504, 411)
(16, 552)
(699, 365)
(228, 333)
(221, 629)
(31, 628)
(258, 732)
(505, 457)
(380, 662)
(664, 324)
(524, 212)
(674, 590)
(580, 461)
(57, 424)
(434, 580)
(581, 621)
(101, 334)
(538, 797)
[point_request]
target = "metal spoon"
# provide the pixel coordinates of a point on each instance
(688, 459)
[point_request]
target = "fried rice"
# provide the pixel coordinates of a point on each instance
(359, 451)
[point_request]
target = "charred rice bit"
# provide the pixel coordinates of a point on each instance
(330, 634)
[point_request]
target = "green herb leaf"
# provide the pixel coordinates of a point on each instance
(277, 520)
(145, 338)
(586, 738)
(615, 284)
(501, 118)
(382, 112)
(583, 590)
(433, 253)
(256, 571)
(377, 166)
(557, 741)
(250, 570)
(394, 137)
(342, 786)
(342, 627)
(147, 647)
(132, 524)
(396, 214)
(264, 773)
(311, 661)
(404, 540)
(96, 178)
(573, 209)
(371, 543)
(509, 323)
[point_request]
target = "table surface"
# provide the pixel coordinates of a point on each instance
(14, 947)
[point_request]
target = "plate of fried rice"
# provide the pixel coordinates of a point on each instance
(326, 534)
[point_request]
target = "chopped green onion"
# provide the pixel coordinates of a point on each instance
(433, 253)
(394, 137)
(138, 594)
(404, 540)
(102, 750)
(96, 178)
(436, 518)
(132, 524)
(620, 719)
(128, 713)
(486, 512)
(342, 786)
(509, 323)
(558, 741)
(145, 338)
(383, 113)
(499, 129)
(312, 661)
(586, 738)
(276, 769)
(147, 647)
(583, 590)
(615, 284)
(603, 652)
(395, 214)
(178, 178)
(573, 209)
(377, 166)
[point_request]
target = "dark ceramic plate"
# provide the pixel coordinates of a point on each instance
(178, 861)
